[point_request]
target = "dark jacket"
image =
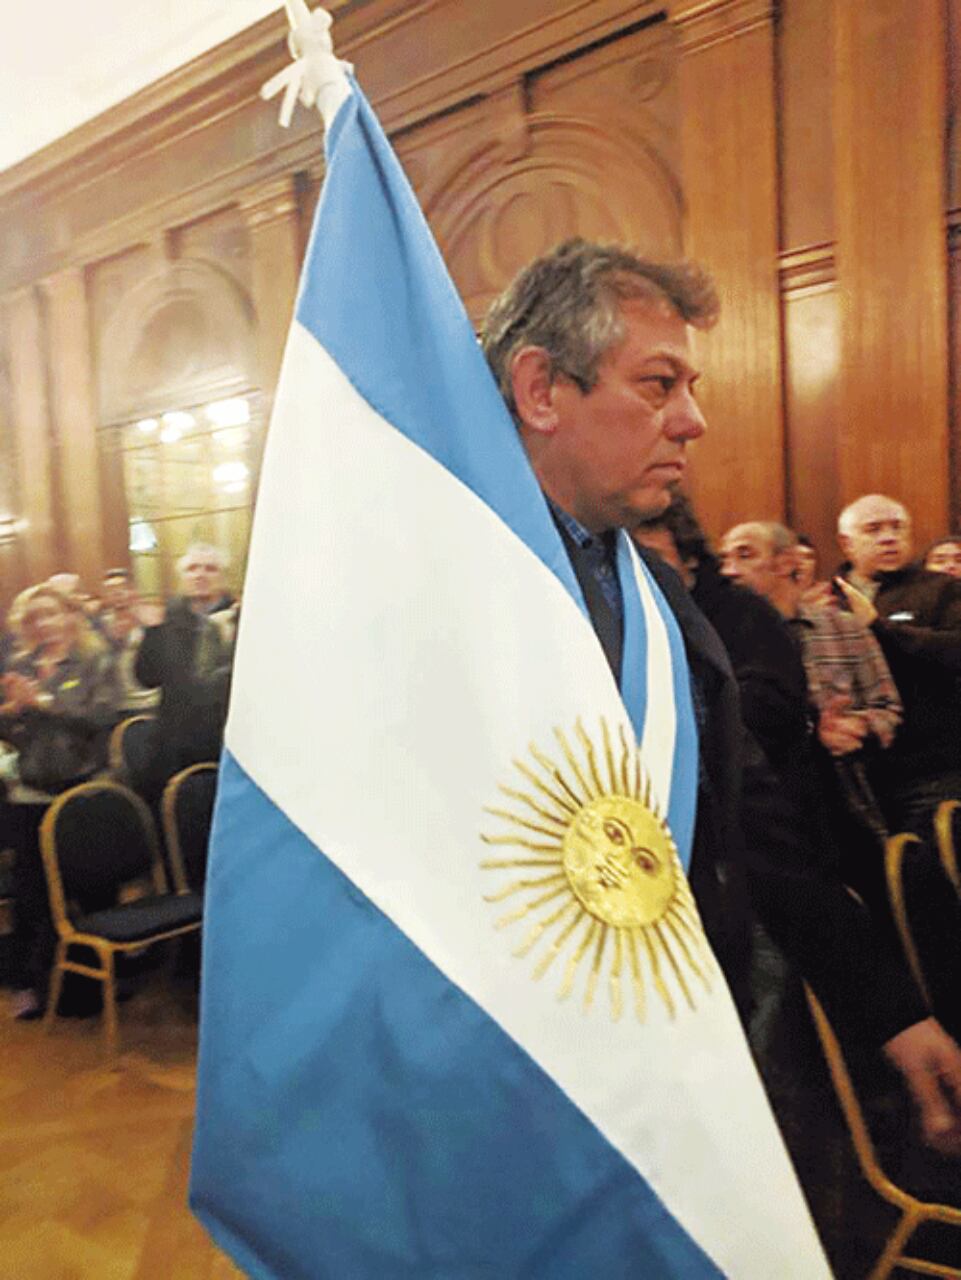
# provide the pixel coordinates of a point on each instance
(766, 662)
(66, 741)
(751, 833)
(919, 630)
(189, 659)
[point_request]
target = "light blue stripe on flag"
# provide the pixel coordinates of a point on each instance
(681, 812)
(487, 1170)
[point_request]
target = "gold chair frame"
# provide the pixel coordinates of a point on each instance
(68, 935)
(893, 871)
(168, 805)
(914, 1212)
(945, 841)
(115, 756)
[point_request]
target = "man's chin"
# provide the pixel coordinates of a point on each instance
(648, 506)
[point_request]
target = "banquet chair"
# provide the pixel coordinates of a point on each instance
(914, 1211)
(896, 850)
(95, 839)
(187, 811)
(946, 814)
(129, 750)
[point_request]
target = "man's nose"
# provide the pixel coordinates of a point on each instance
(687, 421)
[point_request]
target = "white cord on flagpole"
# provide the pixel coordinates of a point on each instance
(316, 76)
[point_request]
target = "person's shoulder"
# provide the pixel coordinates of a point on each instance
(178, 613)
(915, 587)
(743, 606)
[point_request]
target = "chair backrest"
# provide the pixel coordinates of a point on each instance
(94, 838)
(187, 809)
(947, 829)
(131, 746)
(914, 1212)
(896, 849)
(854, 1116)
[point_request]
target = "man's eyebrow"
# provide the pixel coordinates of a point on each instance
(677, 363)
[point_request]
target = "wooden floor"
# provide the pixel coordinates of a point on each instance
(94, 1159)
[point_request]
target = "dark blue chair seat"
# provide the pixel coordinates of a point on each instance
(142, 918)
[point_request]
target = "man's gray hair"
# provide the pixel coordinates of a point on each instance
(205, 549)
(569, 303)
(847, 520)
(777, 536)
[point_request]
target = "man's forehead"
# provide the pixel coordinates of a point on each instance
(744, 536)
(656, 325)
(880, 511)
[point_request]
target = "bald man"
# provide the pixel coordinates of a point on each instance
(916, 616)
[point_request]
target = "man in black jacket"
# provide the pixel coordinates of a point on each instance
(187, 653)
(591, 349)
(916, 616)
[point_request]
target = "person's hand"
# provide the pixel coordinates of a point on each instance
(930, 1062)
(819, 596)
(841, 730)
(20, 692)
(859, 604)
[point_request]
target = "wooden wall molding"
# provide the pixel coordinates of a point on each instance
(73, 201)
(181, 334)
(37, 481)
(810, 267)
(953, 229)
(75, 420)
(272, 216)
(730, 181)
(500, 215)
(703, 23)
(274, 201)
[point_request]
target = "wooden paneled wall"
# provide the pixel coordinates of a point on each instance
(729, 130)
(891, 255)
(804, 150)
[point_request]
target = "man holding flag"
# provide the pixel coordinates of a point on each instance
(460, 1018)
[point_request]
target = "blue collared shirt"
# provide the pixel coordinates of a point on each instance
(600, 555)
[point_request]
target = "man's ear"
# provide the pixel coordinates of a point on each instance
(786, 562)
(533, 389)
(844, 542)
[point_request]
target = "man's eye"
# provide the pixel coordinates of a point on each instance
(660, 385)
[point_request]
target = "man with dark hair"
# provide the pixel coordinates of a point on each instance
(591, 347)
(765, 660)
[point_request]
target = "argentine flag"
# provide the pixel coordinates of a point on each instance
(459, 1018)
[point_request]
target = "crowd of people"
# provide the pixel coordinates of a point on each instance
(828, 707)
(73, 665)
(828, 703)
(849, 683)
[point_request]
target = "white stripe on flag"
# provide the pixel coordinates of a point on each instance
(660, 724)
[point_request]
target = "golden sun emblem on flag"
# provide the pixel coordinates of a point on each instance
(600, 874)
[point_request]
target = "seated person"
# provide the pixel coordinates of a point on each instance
(60, 699)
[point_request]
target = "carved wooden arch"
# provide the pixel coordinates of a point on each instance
(578, 177)
(182, 334)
